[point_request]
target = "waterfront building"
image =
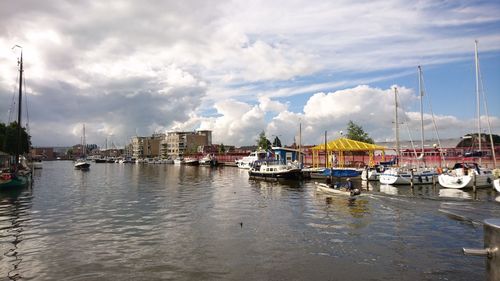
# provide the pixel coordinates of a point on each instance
(177, 144)
(147, 147)
(45, 153)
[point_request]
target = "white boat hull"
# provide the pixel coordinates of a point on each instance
(370, 175)
(464, 181)
(496, 185)
(323, 187)
(405, 178)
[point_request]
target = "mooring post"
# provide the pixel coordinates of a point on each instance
(474, 182)
(411, 178)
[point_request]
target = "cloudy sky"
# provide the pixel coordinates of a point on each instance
(127, 68)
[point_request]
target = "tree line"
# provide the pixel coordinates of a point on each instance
(9, 139)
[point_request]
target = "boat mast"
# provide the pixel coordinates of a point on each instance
(477, 100)
(19, 111)
(326, 154)
(83, 145)
(396, 124)
(300, 144)
(421, 90)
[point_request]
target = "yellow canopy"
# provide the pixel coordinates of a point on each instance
(342, 145)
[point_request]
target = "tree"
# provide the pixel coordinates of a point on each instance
(277, 142)
(222, 148)
(356, 132)
(9, 139)
(263, 142)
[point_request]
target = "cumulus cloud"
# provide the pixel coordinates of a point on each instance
(230, 66)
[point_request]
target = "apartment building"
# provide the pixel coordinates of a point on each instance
(147, 147)
(177, 144)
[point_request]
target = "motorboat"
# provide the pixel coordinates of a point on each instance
(466, 175)
(190, 161)
(247, 161)
(274, 170)
(82, 164)
(336, 189)
(208, 160)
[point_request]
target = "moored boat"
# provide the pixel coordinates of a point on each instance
(398, 176)
(18, 175)
(190, 161)
(208, 160)
(466, 175)
(246, 162)
(372, 173)
(274, 170)
(496, 185)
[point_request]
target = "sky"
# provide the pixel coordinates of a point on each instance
(127, 68)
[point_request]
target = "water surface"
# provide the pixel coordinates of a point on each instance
(166, 222)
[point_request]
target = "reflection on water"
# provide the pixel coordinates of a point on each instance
(454, 193)
(152, 222)
(14, 215)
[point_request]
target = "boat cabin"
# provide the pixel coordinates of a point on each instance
(286, 155)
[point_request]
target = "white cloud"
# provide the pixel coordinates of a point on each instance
(148, 67)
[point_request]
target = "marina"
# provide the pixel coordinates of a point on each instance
(152, 222)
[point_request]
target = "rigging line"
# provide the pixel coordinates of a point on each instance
(26, 105)
(487, 116)
(13, 102)
(436, 131)
(405, 121)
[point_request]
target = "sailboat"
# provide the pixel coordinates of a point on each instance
(467, 175)
(398, 175)
(82, 163)
(19, 175)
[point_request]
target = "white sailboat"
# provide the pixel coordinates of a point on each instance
(82, 163)
(401, 176)
(467, 175)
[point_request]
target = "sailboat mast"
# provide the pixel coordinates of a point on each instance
(396, 122)
(19, 110)
(300, 144)
(421, 91)
(326, 154)
(476, 59)
(84, 147)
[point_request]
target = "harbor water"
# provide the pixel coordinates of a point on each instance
(166, 222)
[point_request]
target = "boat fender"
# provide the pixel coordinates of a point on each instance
(355, 192)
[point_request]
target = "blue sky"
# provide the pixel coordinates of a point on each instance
(242, 67)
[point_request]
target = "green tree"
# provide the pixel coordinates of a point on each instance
(356, 132)
(263, 142)
(222, 148)
(9, 139)
(277, 142)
